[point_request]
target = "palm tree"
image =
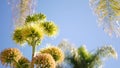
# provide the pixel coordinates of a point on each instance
(81, 58)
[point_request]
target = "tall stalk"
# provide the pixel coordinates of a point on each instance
(33, 53)
(33, 43)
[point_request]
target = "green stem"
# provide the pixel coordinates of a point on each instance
(33, 53)
(19, 66)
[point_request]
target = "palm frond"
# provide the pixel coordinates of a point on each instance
(82, 58)
(106, 51)
(21, 9)
(108, 13)
(102, 53)
(68, 48)
(71, 55)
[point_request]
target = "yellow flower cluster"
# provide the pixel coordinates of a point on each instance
(29, 32)
(18, 37)
(32, 33)
(44, 61)
(55, 52)
(36, 18)
(8, 56)
(33, 30)
(49, 28)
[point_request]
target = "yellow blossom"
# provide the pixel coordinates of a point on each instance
(56, 53)
(9, 55)
(49, 28)
(32, 33)
(44, 61)
(18, 36)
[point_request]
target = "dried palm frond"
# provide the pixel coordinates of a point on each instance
(108, 13)
(21, 9)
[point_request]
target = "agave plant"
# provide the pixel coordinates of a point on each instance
(32, 32)
(108, 13)
(82, 58)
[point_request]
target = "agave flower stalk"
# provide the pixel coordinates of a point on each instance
(33, 31)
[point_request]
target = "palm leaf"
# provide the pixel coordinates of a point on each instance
(102, 53)
(71, 55)
(21, 9)
(108, 13)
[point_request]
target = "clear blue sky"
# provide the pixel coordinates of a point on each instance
(76, 22)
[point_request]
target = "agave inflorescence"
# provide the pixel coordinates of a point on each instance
(44, 61)
(33, 34)
(34, 30)
(55, 52)
(18, 36)
(36, 18)
(28, 33)
(108, 13)
(49, 28)
(9, 56)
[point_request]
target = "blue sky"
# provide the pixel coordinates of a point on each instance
(76, 22)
